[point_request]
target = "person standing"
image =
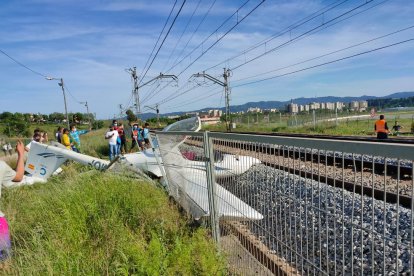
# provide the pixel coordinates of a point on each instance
(66, 139)
(122, 147)
(112, 137)
(59, 134)
(145, 133)
(137, 137)
(381, 128)
(9, 148)
(74, 135)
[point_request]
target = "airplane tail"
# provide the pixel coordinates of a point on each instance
(43, 159)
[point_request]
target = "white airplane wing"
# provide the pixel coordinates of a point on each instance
(230, 207)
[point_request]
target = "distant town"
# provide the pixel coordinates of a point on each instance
(212, 116)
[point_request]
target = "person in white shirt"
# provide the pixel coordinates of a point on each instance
(112, 137)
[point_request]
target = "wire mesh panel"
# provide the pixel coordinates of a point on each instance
(329, 208)
(185, 171)
(299, 206)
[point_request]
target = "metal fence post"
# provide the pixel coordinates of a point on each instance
(211, 187)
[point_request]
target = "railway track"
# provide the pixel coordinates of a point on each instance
(352, 173)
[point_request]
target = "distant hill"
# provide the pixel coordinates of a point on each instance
(282, 104)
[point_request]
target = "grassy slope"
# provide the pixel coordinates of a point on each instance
(97, 223)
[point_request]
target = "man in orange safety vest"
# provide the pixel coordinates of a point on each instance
(381, 128)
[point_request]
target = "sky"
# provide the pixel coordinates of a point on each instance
(273, 51)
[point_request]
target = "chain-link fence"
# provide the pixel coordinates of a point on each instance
(287, 205)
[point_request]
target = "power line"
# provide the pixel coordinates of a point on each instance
(182, 33)
(194, 32)
(216, 92)
(300, 36)
(163, 28)
(326, 63)
(288, 29)
(73, 97)
(22, 65)
(214, 32)
(327, 54)
(218, 39)
(162, 43)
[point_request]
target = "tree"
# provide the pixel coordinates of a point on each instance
(17, 128)
(131, 116)
(97, 124)
(77, 117)
(6, 115)
(56, 117)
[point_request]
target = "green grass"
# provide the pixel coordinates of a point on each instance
(94, 223)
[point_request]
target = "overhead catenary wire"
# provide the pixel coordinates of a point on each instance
(22, 65)
(210, 35)
(286, 30)
(239, 21)
(327, 54)
(159, 36)
(200, 44)
(201, 97)
(182, 33)
(162, 43)
(299, 36)
(325, 26)
(194, 32)
(326, 63)
(218, 39)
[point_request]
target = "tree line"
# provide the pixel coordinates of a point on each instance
(389, 103)
(17, 124)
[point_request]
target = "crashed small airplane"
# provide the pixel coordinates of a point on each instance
(43, 160)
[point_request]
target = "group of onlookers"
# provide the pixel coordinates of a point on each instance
(117, 139)
(70, 138)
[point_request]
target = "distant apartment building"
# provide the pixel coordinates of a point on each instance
(254, 110)
(354, 106)
(330, 106)
(339, 105)
(215, 113)
(292, 108)
(358, 106)
(363, 106)
(314, 106)
(322, 105)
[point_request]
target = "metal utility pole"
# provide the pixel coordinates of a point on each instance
(121, 110)
(135, 93)
(158, 112)
(89, 116)
(225, 84)
(64, 97)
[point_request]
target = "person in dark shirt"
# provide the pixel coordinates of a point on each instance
(396, 129)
